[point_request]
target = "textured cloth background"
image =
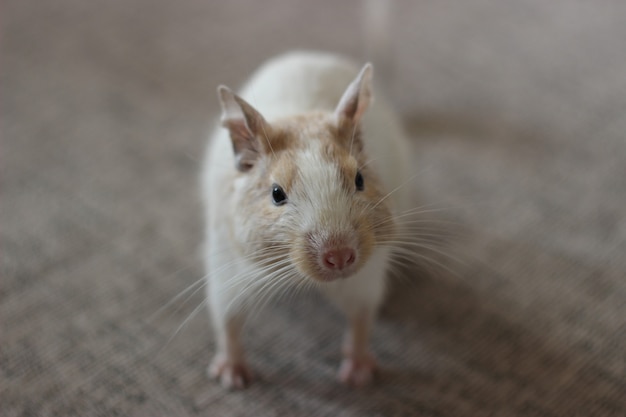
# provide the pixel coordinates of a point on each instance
(517, 112)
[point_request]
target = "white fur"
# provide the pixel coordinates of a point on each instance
(323, 204)
(320, 79)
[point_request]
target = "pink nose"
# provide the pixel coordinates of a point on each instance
(339, 258)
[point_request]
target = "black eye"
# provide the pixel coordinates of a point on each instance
(278, 195)
(358, 181)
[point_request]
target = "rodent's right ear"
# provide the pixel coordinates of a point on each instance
(245, 125)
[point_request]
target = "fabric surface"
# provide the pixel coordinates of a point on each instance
(516, 112)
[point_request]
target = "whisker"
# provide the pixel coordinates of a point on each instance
(396, 189)
(260, 272)
(180, 327)
(177, 296)
(367, 163)
(271, 290)
(255, 285)
(201, 282)
(410, 256)
(428, 247)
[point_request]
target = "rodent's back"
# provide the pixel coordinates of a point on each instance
(298, 82)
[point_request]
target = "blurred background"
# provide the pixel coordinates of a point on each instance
(516, 111)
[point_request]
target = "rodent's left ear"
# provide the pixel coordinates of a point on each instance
(356, 98)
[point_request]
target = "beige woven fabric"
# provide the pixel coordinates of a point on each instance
(517, 112)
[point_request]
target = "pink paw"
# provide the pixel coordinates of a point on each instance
(231, 375)
(357, 372)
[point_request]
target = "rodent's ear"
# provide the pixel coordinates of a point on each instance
(245, 125)
(356, 98)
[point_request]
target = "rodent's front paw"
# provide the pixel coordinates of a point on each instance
(231, 375)
(357, 372)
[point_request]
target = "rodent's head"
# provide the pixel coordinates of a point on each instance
(305, 195)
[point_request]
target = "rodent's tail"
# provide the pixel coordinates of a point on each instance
(378, 47)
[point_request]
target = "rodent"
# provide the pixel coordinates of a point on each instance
(301, 188)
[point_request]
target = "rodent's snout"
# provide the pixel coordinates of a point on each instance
(338, 258)
(331, 257)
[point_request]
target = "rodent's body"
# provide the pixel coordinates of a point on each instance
(282, 205)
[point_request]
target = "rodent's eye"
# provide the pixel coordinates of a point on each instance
(359, 181)
(278, 195)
